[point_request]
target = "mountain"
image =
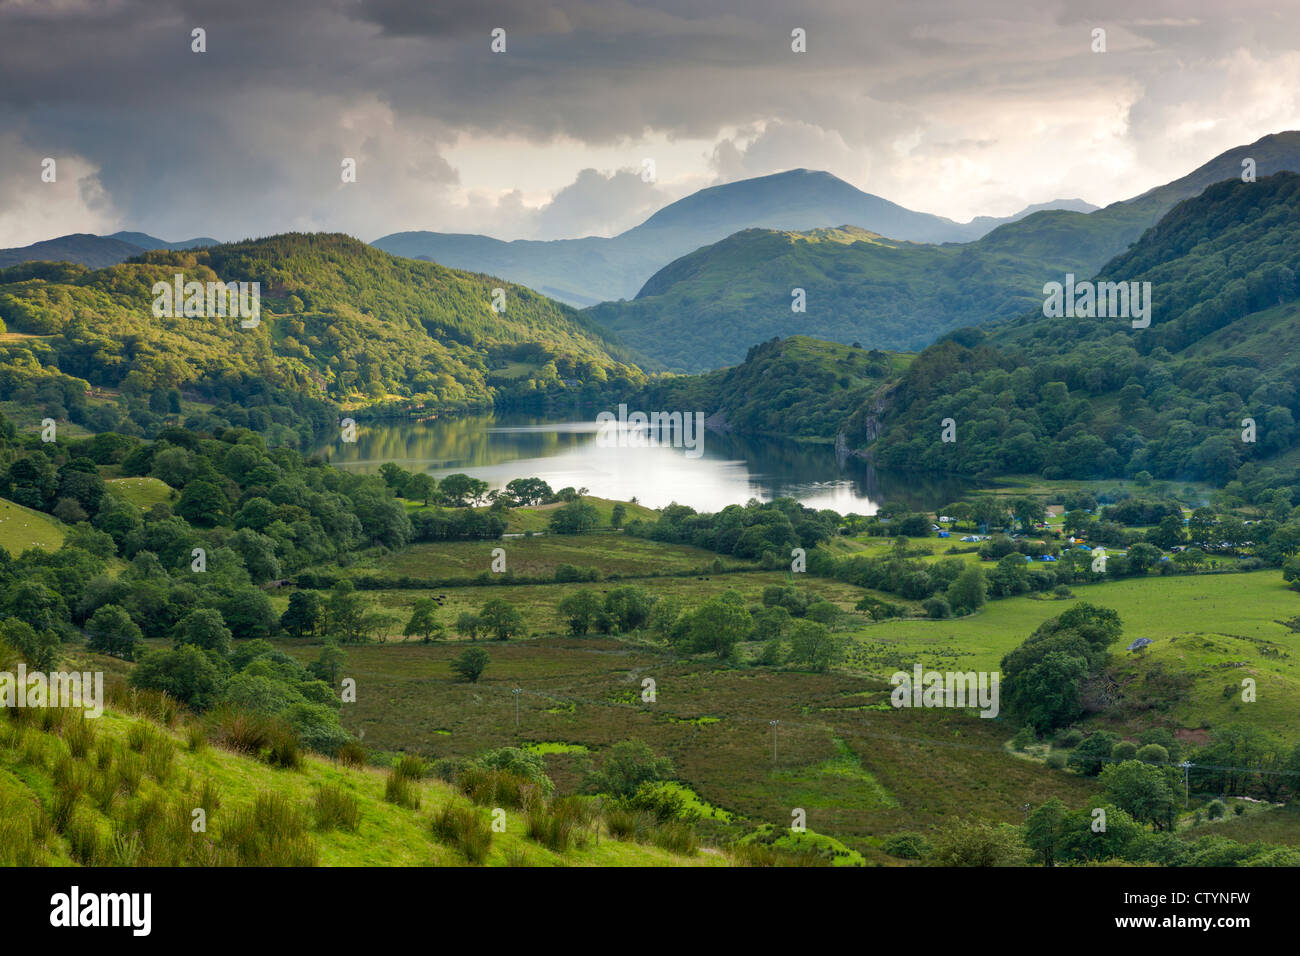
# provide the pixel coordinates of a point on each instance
(704, 310)
(146, 241)
(1095, 397)
(341, 324)
(93, 251)
(590, 270)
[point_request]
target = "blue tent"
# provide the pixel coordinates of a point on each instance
(1139, 643)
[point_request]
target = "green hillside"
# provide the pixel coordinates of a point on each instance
(1093, 397)
(799, 387)
(703, 310)
(121, 790)
(341, 324)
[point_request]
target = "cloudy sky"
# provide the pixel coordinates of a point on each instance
(956, 107)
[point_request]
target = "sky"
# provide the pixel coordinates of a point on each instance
(954, 107)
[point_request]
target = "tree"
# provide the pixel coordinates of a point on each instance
(305, 613)
(471, 664)
(468, 624)
(719, 624)
(345, 612)
(813, 646)
(184, 672)
(1142, 557)
(420, 487)
(1142, 790)
(205, 629)
(576, 517)
(1028, 511)
(973, 843)
(617, 515)
(630, 765)
(326, 667)
(1089, 757)
(968, 591)
(248, 612)
(203, 503)
(111, 631)
(461, 489)
(1044, 828)
(528, 491)
(1168, 534)
(629, 607)
(424, 620)
(501, 618)
(40, 649)
(579, 610)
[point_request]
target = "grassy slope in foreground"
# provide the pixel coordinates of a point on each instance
(387, 835)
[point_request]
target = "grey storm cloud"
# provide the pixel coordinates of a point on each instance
(981, 103)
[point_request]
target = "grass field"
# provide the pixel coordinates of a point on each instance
(610, 553)
(22, 528)
(1220, 628)
(860, 773)
(144, 493)
(538, 602)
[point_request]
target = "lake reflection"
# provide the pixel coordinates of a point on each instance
(731, 470)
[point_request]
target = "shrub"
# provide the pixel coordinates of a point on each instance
(158, 755)
(1071, 738)
(130, 769)
(1023, 738)
(462, 827)
(352, 754)
(676, 837)
(907, 846)
(522, 763)
(283, 748)
(1215, 809)
(270, 833)
(630, 764)
(629, 824)
(84, 842)
(336, 809)
(1153, 753)
(1124, 750)
(398, 790)
(1056, 760)
(409, 767)
(195, 738)
(758, 854)
(490, 787)
(561, 825)
(79, 735)
(661, 801)
(937, 607)
(471, 664)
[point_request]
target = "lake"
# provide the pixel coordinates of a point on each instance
(725, 469)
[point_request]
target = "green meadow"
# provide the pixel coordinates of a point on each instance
(22, 528)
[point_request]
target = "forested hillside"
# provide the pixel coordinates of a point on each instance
(798, 387)
(703, 310)
(341, 324)
(1088, 397)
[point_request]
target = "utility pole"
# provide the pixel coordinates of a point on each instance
(1186, 764)
(517, 691)
(774, 723)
